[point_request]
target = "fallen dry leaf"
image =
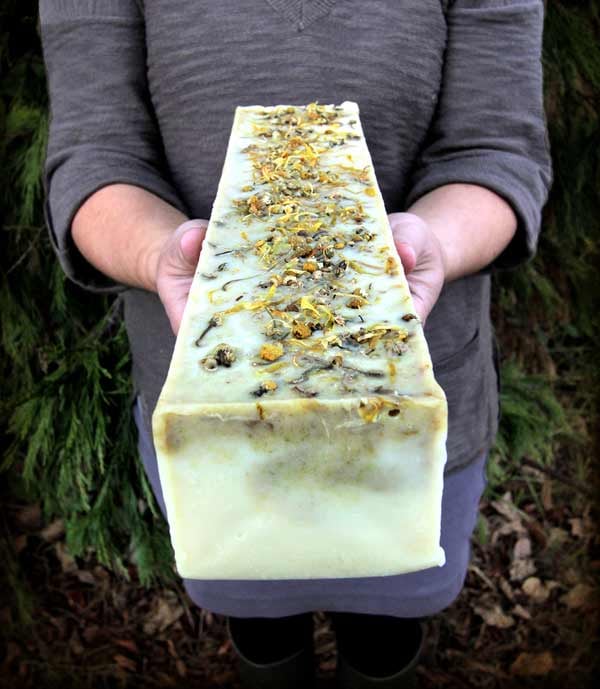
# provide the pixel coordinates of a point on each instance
(128, 645)
(180, 667)
(506, 589)
(533, 664)
(495, 616)
(522, 548)
(572, 576)
(76, 598)
(514, 518)
(522, 565)
(537, 532)
(506, 507)
(521, 612)
(53, 531)
(482, 575)
(67, 561)
(165, 612)
(535, 589)
(521, 569)
(125, 663)
(75, 644)
(577, 527)
(556, 537)
(164, 680)
(224, 647)
(547, 501)
(85, 577)
(581, 596)
(171, 648)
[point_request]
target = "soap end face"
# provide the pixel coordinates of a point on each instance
(301, 489)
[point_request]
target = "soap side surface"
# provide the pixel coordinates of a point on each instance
(300, 432)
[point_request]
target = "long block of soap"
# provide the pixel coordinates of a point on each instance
(300, 432)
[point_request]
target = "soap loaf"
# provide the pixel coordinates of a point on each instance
(300, 432)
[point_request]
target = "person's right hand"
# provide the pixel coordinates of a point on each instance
(176, 267)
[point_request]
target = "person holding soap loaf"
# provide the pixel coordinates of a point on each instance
(450, 93)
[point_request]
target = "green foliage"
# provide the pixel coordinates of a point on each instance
(65, 410)
(572, 60)
(532, 415)
(533, 421)
(66, 404)
(20, 595)
(548, 312)
(30, 123)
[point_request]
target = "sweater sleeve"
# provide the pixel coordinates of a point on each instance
(102, 125)
(490, 128)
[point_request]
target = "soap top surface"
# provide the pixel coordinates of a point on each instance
(299, 292)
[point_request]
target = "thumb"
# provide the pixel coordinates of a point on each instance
(187, 244)
(190, 244)
(407, 255)
(409, 238)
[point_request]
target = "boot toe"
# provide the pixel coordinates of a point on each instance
(273, 654)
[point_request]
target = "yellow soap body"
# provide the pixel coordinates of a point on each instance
(300, 432)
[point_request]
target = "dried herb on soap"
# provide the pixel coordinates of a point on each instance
(225, 285)
(265, 387)
(271, 352)
(304, 392)
(300, 330)
(224, 355)
(216, 320)
(303, 206)
(209, 363)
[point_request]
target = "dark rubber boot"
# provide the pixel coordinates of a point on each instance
(377, 651)
(274, 653)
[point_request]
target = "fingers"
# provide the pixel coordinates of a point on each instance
(410, 237)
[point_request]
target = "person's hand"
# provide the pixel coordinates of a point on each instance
(422, 257)
(176, 267)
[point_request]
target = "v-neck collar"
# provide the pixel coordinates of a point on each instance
(302, 13)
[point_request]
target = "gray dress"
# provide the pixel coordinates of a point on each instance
(450, 91)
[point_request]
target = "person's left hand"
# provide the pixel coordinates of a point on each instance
(423, 259)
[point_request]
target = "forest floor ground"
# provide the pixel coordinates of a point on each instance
(528, 614)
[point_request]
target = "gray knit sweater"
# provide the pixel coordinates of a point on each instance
(144, 93)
